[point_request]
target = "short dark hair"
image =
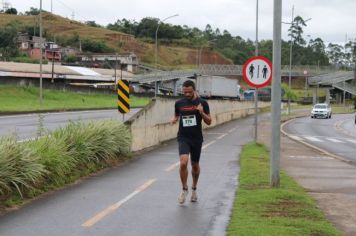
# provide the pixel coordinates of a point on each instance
(189, 83)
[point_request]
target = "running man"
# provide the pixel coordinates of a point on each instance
(190, 111)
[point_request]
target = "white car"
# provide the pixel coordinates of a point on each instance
(321, 110)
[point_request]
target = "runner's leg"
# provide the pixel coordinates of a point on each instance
(183, 170)
(195, 174)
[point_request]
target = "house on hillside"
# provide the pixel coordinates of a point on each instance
(32, 46)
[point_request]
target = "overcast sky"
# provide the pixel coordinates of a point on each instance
(332, 20)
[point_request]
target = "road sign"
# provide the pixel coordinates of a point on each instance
(257, 71)
(123, 94)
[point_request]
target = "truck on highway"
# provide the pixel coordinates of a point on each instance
(217, 87)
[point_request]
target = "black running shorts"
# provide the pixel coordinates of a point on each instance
(187, 147)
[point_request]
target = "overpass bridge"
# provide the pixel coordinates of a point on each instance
(224, 70)
(342, 80)
(325, 76)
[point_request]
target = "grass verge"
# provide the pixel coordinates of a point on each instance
(262, 210)
(31, 168)
(22, 99)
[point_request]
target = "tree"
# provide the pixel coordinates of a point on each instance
(33, 12)
(288, 92)
(8, 44)
(335, 53)
(147, 27)
(350, 54)
(296, 30)
(92, 24)
(11, 11)
(317, 45)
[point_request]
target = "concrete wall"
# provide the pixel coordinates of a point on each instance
(151, 125)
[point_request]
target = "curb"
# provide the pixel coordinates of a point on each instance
(312, 146)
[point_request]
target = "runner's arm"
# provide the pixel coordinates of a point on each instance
(176, 115)
(204, 111)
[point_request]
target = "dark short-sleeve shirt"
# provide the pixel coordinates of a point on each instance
(190, 120)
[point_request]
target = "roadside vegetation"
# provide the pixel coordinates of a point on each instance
(28, 169)
(23, 99)
(262, 210)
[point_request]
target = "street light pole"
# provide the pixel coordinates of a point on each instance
(41, 54)
(276, 96)
(290, 57)
(201, 49)
(290, 60)
(156, 46)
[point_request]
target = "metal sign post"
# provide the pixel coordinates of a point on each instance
(257, 72)
(123, 92)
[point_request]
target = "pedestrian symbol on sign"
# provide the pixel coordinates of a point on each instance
(251, 69)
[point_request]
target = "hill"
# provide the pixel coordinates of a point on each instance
(63, 29)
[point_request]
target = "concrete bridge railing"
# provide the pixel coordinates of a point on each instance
(151, 126)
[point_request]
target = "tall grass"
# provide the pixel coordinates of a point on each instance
(27, 169)
(20, 169)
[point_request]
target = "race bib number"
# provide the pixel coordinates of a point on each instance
(189, 121)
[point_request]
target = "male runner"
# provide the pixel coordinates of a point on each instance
(190, 111)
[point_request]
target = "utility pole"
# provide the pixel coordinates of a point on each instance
(276, 95)
(156, 47)
(53, 53)
(115, 68)
(256, 90)
(290, 60)
(52, 6)
(41, 49)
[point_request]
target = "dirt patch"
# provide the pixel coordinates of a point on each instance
(287, 208)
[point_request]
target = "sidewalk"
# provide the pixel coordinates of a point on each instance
(331, 182)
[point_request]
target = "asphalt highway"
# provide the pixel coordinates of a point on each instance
(336, 135)
(27, 126)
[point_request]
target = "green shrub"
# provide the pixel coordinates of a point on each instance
(25, 59)
(20, 170)
(59, 158)
(96, 141)
(55, 156)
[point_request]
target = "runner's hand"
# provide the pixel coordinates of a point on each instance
(200, 108)
(174, 120)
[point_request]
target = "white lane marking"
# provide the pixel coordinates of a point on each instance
(351, 140)
(313, 139)
(334, 140)
(296, 137)
(112, 208)
(215, 133)
(172, 167)
(312, 157)
(220, 137)
(208, 144)
(232, 130)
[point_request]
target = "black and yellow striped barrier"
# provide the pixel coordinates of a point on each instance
(123, 94)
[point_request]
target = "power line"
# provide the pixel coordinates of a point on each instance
(73, 11)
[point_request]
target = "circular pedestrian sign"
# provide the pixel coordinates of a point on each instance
(257, 71)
